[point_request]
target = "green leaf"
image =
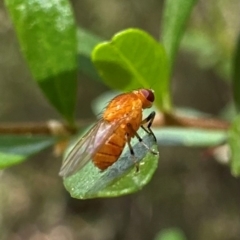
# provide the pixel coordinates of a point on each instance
(175, 16)
(171, 234)
(47, 34)
(16, 149)
(189, 137)
(133, 59)
(236, 76)
(234, 142)
(87, 41)
(119, 179)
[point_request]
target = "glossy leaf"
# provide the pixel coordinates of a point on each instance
(47, 34)
(189, 137)
(234, 142)
(236, 76)
(119, 179)
(87, 41)
(133, 59)
(175, 16)
(16, 149)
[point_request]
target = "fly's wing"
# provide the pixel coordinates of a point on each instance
(87, 146)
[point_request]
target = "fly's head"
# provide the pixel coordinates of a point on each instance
(147, 97)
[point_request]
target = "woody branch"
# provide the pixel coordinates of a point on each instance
(56, 128)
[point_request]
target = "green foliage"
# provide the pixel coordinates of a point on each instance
(86, 43)
(207, 53)
(236, 76)
(54, 50)
(234, 132)
(47, 34)
(234, 141)
(122, 63)
(170, 234)
(16, 149)
(189, 137)
(211, 35)
(119, 179)
(202, 46)
(175, 16)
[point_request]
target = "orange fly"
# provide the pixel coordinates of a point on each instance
(105, 141)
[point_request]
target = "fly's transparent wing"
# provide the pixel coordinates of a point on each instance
(87, 146)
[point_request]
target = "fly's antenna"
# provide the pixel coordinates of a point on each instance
(152, 85)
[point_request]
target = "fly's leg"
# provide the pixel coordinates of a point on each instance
(132, 152)
(149, 119)
(140, 139)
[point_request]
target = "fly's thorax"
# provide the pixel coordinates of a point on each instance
(122, 107)
(127, 110)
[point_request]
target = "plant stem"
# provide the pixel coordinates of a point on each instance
(169, 119)
(56, 128)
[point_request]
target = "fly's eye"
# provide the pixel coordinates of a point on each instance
(148, 94)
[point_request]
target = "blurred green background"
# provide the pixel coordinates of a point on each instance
(189, 191)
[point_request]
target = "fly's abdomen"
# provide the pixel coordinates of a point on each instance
(111, 150)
